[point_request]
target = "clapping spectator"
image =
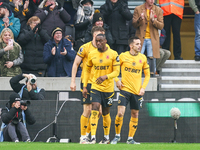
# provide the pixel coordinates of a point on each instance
(82, 19)
(58, 55)
(10, 54)
(7, 19)
(116, 14)
(52, 15)
(32, 39)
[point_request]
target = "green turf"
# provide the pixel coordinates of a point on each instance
(120, 146)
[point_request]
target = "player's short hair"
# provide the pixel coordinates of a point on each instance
(103, 35)
(97, 28)
(131, 39)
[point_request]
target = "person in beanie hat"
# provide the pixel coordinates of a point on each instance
(7, 19)
(98, 20)
(58, 55)
(14, 116)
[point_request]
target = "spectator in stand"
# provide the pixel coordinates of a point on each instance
(83, 19)
(116, 14)
(32, 39)
(71, 7)
(98, 21)
(70, 38)
(52, 15)
(7, 19)
(173, 15)
(33, 5)
(10, 54)
(58, 55)
(20, 11)
(195, 5)
(164, 54)
(28, 91)
(147, 19)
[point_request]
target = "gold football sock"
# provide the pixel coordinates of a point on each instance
(94, 121)
(132, 126)
(83, 124)
(88, 127)
(118, 124)
(106, 124)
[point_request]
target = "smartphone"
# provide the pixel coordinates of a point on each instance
(10, 42)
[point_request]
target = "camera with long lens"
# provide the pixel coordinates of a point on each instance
(25, 103)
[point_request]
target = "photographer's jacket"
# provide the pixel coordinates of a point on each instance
(8, 114)
(26, 95)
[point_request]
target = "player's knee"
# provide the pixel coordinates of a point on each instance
(120, 114)
(134, 114)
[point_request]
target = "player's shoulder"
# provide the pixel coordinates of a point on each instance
(111, 51)
(142, 56)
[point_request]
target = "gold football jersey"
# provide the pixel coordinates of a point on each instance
(83, 52)
(131, 70)
(106, 63)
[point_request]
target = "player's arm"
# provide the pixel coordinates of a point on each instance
(76, 63)
(116, 67)
(146, 79)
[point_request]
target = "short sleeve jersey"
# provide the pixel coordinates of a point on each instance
(131, 70)
(83, 52)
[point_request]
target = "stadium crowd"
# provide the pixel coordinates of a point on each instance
(36, 41)
(32, 23)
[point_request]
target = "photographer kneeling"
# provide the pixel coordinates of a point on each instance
(28, 91)
(14, 116)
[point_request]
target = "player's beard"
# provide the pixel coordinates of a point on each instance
(100, 49)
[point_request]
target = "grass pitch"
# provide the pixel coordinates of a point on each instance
(77, 146)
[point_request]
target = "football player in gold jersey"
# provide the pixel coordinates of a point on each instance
(131, 88)
(82, 55)
(105, 63)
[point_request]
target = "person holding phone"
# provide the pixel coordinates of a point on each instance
(10, 54)
(58, 55)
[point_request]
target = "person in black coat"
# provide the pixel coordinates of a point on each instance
(32, 39)
(28, 91)
(117, 14)
(52, 15)
(14, 117)
(98, 20)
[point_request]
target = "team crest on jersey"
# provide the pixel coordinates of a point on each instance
(117, 58)
(100, 60)
(133, 63)
(140, 61)
(107, 57)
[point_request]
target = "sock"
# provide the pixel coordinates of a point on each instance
(118, 125)
(88, 130)
(106, 124)
(132, 126)
(106, 136)
(94, 121)
(83, 124)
